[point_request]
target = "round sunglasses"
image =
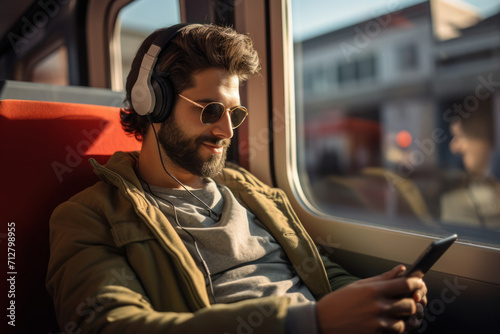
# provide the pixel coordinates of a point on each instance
(213, 111)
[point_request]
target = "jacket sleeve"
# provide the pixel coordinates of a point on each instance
(95, 289)
(337, 275)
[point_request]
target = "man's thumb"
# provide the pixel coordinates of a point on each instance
(394, 272)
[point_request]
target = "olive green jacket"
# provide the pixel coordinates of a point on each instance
(118, 266)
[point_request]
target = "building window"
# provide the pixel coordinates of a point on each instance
(408, 57)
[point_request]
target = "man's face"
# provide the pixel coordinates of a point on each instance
(475, 152)
(191, 145)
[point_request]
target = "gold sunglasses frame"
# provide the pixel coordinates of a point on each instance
(223, 106)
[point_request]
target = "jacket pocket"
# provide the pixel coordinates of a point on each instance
(128, 232)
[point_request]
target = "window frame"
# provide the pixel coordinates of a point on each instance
(101, 43)
(276, 163)
(25, 69)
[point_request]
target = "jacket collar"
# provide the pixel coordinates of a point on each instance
(121, 165)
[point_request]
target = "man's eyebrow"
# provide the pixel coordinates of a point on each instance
(212, 100)
(205, 100)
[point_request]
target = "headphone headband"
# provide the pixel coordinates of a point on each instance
(143, 95)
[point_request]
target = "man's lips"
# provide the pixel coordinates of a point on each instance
(217, 149)
(213, 144)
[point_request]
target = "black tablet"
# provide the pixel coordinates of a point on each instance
(430, 255)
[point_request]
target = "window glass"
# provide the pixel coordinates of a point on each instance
(398, 113)
(139, 19)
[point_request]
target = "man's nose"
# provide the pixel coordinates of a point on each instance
(223, 128)
(455, 146)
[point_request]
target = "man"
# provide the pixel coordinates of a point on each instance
(170, 241)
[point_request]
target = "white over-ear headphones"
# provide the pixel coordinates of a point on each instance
(153, 95)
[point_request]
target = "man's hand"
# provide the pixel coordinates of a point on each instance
(372, 305)
(420, 297)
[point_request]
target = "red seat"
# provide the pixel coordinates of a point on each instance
(45, 148)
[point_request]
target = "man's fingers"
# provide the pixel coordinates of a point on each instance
(394, 272)
(391, 325)
(423, 301)
(420, 295)
(415, 320)
(403, 309)
(400, 307)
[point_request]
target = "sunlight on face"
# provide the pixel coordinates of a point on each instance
(195, 147)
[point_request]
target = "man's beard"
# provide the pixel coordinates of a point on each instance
(184, 151)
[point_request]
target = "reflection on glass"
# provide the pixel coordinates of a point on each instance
(385, 92)
(475, 201)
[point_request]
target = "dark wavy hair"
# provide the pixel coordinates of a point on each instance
(478, 123)
(195, 48)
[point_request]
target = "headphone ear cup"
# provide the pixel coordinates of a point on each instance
(164, 95)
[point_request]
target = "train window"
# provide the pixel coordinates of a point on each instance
(397, 106)
(52, 69)
(139, 19)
